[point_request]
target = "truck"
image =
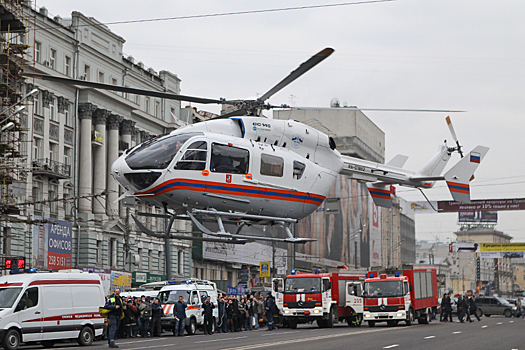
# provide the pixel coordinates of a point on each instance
(400, 295)
(326, 298)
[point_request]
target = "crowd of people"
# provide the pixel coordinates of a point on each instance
(141, 317)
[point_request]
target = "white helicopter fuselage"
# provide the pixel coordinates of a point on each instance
(288, 169)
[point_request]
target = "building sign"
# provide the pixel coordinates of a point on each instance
(52, 245)
(140, 277)
(98, 137)
(474, 206)
(264, 270)
(478, 217)
(502, 247)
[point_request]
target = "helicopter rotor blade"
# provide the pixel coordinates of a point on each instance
(454, 137)
(303, 68)
(237, 113)
(370, 109)
(124, 89)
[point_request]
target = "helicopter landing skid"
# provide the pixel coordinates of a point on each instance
(259, 219)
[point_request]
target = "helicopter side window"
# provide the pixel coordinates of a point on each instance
(298, 169)
(194, 157)
(229, 159)
(272, 165)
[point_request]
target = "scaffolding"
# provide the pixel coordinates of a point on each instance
(13, 123)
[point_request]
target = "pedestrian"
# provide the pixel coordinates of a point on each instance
(242, 313)
(116, 307)
(270, 308)
(222, 323)
(208, 307)
(248, 307)
(473, 308)
(518, 312)
(129, 319)
(145, 309)
(156, 314)
(236, 314)
(260, 311)
(180, 315)
(461, 308)
(445, 308)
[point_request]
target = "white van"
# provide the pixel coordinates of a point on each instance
(138, 294)
(46, 307)
(193, 292)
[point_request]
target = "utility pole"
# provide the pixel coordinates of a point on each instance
(273, 259)
(167, 248)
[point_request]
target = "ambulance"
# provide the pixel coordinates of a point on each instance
(194, 292)
(48, 307)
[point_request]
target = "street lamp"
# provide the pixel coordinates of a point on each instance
(353, 235)
(8, 126)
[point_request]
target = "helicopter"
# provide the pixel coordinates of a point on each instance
(248, 169)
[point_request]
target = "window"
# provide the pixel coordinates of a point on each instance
(23, 143)
(52, 110)
(99, 251)
(114, 81)
(53, 151)
(67, 66)
(125, 94)
(150, 259)
(67, 155)
(67, 116)
(29, 299)
(36, 104)
(68, 203)
(229, 159)
(52, 58)
(87, 72)
(298, 169)
(146, 105)
(38, 50)
(137, 99)
(37, 192)
(113, 252)
(157, 109)
(101, 77)
(53, 196)
(271, 165)
(180, 262)
(194, 157)
(38, 145)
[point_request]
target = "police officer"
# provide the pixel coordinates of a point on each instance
(270, 308)
(208, 315)
(117, 307)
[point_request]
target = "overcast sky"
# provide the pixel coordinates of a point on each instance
(441, 54)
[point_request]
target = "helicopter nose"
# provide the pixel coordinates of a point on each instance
(118, 169)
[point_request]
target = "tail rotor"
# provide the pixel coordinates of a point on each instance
(454, 137)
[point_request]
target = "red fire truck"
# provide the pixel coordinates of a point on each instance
(326, 298)
(405, 295)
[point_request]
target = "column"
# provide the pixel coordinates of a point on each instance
(99, 159)
(85, 112)
(126, 128)
(113, 125)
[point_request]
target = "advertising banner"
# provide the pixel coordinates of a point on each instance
(478, 217)
(264, 270)
(121, 280)
(502, 247)
(52, 245)
(422, 207)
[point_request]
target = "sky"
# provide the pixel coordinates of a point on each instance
(419, 54)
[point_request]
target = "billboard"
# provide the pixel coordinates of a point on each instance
(264, 270)
(121, 280)
(347, 227)
(490, 205)
(502, 247)
(478, 217)
(52, 245)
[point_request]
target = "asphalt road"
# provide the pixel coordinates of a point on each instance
(491, 333)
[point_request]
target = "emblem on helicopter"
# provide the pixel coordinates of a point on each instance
(297, 141)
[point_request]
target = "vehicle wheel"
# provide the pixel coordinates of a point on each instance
(292, 322)
(479, 312)
(410, 318)
(192, 327)
(11, 340)
(371, 323)
(507, 313)
(48, 343)
(331, 319)
(86, 336)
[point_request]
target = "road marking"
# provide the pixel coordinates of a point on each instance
(430, 337)
(302, 340)
(485, 326)
(391, 346)
(499, 323)
(265, 335)
(456, 332)
(214, 340)
(511, 321)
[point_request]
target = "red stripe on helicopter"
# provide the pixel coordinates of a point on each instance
(237, 190)
(378, 193)
(458, 187)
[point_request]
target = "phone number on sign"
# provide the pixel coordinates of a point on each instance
(56, 261)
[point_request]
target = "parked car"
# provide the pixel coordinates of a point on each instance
(489, 306)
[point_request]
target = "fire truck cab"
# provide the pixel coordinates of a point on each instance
(326, 298)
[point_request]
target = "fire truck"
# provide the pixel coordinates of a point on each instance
(327, 298)
(404, 295)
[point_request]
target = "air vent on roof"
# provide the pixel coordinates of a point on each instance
(43, 11)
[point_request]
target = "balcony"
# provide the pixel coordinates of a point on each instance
(51, 168)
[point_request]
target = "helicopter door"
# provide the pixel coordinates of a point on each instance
(322, 185)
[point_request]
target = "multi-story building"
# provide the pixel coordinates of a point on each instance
(76, 134)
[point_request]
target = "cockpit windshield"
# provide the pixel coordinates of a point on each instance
(158, 153)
